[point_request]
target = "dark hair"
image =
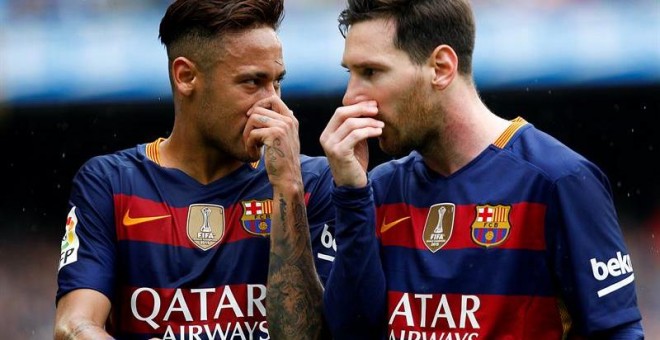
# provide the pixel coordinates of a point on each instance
(421, 25)
(189, 26)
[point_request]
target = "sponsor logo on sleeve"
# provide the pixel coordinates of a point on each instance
(329, 245)
(491, 226)
(439, 225)
(206, 225)
(256, 216)
(70, 242)
(615, 267)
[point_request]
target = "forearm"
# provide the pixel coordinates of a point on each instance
(355, 295)
(81, 314)
(295, 294)
(81, 330)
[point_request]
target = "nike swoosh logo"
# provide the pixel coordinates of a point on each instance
(386, 226)
(129, 221)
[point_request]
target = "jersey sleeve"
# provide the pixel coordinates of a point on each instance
(589, 256)
(321, 217)
(355, 294)
(87, 257)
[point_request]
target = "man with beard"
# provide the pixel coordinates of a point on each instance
(484, 228)
(177, 238)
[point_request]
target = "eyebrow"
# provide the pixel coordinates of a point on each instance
(364, 64)
(264, 75)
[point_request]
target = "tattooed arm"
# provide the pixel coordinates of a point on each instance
(294, 300)
(295, 295)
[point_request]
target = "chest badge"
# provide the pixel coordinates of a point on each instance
(491, 226)
(439, 225)
(206, 225)
(256, 216)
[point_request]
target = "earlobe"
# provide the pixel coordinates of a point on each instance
(184, 75)
(445, 65)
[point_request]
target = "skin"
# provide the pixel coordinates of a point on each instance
(225, 115)
(81, 314)
(246, 76)
(430, 108)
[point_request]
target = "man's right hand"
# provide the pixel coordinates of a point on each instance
(344, 141)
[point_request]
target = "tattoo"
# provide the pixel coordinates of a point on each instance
(300, 217)
(295, 296)
(273, 153)
(282, 213)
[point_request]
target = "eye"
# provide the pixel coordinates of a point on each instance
(251, 81)
(368, 72)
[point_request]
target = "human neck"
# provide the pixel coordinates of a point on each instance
(468, 127)
(195, 158)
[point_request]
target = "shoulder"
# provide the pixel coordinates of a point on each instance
(548, 155)
(112, 163)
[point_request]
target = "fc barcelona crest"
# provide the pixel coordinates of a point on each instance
(256, 216)
(206, 225)
(439, 225)
(491, 227)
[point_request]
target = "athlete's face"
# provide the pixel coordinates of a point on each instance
(381, 72)
(250, 68)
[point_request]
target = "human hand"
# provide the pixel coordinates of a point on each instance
(272, 125)
(344, 141)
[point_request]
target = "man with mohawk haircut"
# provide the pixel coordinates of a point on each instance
(222, 230)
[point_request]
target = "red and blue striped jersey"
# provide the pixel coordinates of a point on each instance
(179, 259)
(521, 243)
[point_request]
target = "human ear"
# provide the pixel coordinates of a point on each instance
(444, 62)
(184, 75)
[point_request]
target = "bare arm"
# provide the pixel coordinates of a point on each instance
(81, 314)
(294, 300)
(295, 294)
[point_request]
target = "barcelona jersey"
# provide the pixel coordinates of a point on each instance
(521, 243)
(179, 259)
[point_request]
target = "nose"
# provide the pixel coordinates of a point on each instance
(268, 89)
(272, 89)
(355, 93)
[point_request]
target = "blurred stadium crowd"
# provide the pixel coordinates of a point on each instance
(54, 9)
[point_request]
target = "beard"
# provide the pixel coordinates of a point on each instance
(223, 134)
(413, 126)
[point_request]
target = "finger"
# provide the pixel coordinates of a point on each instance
(270, 114)
(269, 119)
(346, 146)
(329, 138)
(272, 103)
(288, 117)
(366, 108)
(351, 124)
(349, 157)
(261, 137)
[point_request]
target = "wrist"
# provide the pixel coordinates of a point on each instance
(288, 187)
